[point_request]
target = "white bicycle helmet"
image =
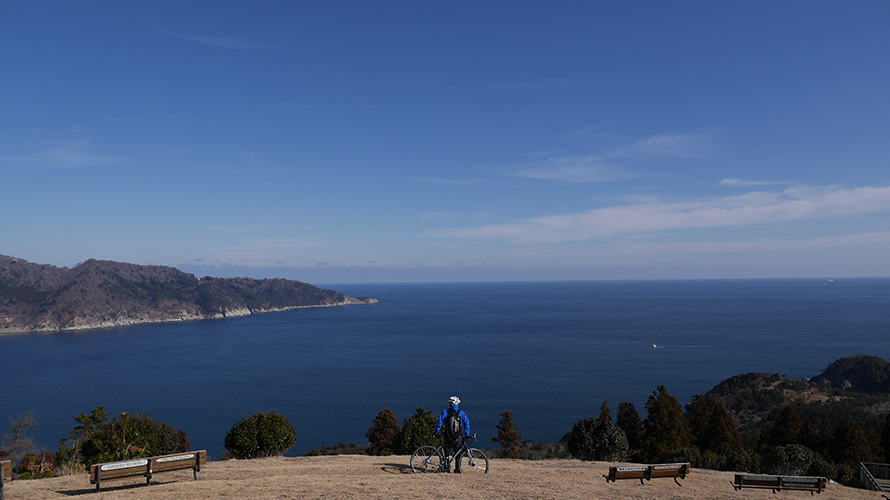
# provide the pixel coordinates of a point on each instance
(454, 400)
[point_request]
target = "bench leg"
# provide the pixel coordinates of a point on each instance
(678, 482)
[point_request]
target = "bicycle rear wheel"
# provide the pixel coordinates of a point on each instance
(427, 459)
(476, 462)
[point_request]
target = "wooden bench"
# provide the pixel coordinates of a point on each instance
(147, 467)
(813, 484)
(5, 475)
(647, 472)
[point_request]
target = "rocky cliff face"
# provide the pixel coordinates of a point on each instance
(101, 294)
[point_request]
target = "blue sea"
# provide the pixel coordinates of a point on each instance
(549, 352)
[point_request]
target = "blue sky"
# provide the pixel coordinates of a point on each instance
(342, 142)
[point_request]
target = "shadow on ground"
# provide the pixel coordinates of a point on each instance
(396, 468)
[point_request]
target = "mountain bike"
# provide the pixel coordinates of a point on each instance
(432, 459)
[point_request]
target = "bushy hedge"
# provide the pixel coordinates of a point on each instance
(260, 435)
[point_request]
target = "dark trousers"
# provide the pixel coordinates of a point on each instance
(450, 448)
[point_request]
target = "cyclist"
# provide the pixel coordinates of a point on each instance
(457, 428)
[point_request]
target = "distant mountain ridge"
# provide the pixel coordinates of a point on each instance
(102, 294)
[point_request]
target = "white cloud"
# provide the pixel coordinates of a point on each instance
(652, 215)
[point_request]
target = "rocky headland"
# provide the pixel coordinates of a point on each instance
(104, 294)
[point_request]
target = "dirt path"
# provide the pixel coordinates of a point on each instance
(363, 477)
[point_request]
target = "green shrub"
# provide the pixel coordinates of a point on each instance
(261, 435)
(598, 440)
(788, 460)
(743, 461)
(416, 431)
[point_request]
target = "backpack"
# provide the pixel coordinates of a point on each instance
(452, 426)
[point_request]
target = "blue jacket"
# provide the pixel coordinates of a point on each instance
(464, 421)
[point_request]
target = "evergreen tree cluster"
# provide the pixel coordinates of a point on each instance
(707, 436)
(387, 437)
(97, 440)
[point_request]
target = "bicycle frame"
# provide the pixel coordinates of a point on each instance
(449, 459)
(433, 459)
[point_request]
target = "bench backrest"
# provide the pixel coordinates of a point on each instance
(147, 466)
(178, 461)
(778, 483)
(807, 483)
(648, 471)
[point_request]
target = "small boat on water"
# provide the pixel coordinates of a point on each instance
(653, 346)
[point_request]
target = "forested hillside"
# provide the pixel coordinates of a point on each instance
(98, 294)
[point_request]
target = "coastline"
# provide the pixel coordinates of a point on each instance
(125, 321)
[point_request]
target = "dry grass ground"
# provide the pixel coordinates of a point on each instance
(363, 477)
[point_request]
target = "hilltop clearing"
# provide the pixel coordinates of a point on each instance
(366, 477)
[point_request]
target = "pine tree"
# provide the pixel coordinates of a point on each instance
(698, 414)
(712, 427)
(786, 430)
(852, 444)
(509, 437)
(666, 428)
(605, 414)
(628, 420)
(417, 431)
(725, 437)
(383, 433)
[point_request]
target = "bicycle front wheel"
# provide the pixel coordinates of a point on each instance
(427, 459)
(476, 462)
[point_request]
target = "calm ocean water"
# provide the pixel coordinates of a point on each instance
(551, 353)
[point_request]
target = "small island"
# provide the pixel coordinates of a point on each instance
(106, 294)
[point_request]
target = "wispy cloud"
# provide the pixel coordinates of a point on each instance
(743, 183)
(70, 154)
(611, 166)
(683, 144)
(439, 180)
(224, 42)
(582, 168)
(652, 215)
(438, 216)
